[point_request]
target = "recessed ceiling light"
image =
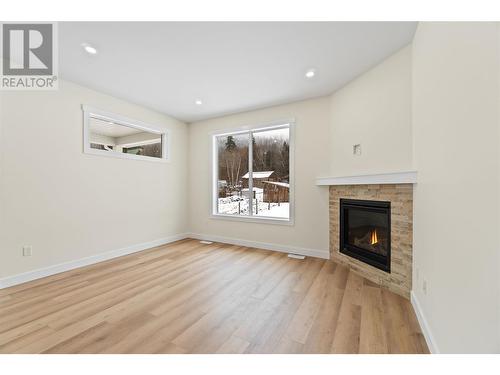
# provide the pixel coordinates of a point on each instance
(89, 49)
(198, 102)
(310, 73)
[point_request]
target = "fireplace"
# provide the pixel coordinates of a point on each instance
(365, 231)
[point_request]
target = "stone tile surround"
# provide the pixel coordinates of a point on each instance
(401, 198)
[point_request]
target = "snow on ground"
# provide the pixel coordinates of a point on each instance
(235, 204)
(283, 210)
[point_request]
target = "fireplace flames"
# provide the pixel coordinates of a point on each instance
(373, 237)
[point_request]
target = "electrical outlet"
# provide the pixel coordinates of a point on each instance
(424, 287)
(27, 251)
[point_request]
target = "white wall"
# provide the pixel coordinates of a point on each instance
(456, 203)
(374, 110)
(311, 160)
(69, 205)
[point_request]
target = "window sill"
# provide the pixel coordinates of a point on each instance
(254, 219)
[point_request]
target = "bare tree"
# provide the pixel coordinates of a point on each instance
(232, 160)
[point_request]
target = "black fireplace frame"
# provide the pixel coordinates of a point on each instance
(378, 261)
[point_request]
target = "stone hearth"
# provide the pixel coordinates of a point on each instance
(399, 280)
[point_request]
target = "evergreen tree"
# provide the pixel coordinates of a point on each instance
(230, 143)
(233, 160)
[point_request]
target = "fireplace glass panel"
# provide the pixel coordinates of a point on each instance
(368, 230)
(365, 231)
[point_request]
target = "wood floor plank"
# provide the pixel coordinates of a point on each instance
(373, 336)
(288, 346)
(347, 330)
(188, 297)
(397, 325)
(24, 340)
(265, 310)
(272, 331)
(303, 320)
(320, 337)
(161, 340)
(233, 345)
(222, 300)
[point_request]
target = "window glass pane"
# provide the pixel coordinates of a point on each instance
(118, 138)
(232, 171)
(271, 173)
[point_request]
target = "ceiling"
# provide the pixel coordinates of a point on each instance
(231, 66)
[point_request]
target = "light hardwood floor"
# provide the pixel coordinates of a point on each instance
(187, 297)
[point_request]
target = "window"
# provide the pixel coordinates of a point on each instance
(252, 176)
(113, 135)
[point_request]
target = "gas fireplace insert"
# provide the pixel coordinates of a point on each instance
(365, 231)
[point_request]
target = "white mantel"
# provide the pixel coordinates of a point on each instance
(404, 177)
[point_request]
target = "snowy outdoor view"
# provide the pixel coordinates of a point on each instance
(270, 177)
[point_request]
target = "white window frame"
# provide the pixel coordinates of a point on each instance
(91, 112)
(290, 124)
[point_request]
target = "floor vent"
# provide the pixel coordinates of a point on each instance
(296, 256)
(206, 242)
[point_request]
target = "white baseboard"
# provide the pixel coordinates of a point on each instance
(316, 253)
(67, 266)
(424, 325)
